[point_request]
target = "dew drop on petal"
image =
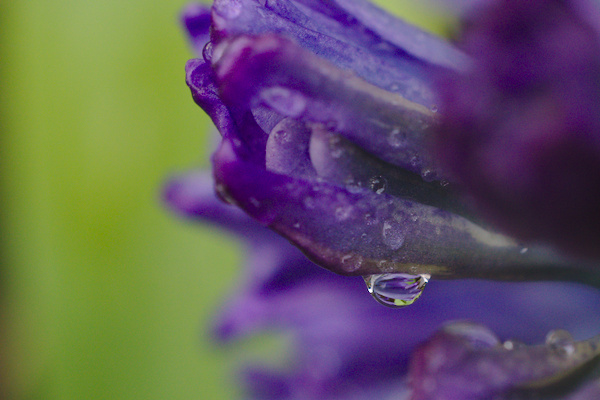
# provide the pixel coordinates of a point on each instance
(207, 51)
(351, 262)
(397, 138)
(343, 212)
(285, 101)
(513, 344)
(478, 336)
(561, 341)
(396, 290)
(309, 202)
(393, 234)
(378, 184)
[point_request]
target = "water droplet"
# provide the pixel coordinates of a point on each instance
(478, 336)
(351, 262)
(524, 250)
(415, 161)
(561, 341)
(223, 194)
(393, 234)
(309, 202)
(513, 344)
(444, 183)
(207, 51)
(337, 152)
(378, 184)
(428, 175)
(396, 290)
(254, 202)
(394, 87)
(397, 138)
(342, 213)
(296, 225)
(434, 108)
(285, 101)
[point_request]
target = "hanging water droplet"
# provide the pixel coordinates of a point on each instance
(378, 184)
(476, 335)
(393, 234)
(207, 51)
(285, 101)
(397, 138)
(434, 108)
(561, 341)
(396, 290)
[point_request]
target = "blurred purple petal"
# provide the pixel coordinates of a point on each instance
(521, 131)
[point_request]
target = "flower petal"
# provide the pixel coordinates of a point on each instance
(466, 361)
(296, 83)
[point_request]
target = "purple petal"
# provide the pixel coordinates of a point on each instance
(300, 85)
(196, 19)
(361, 232)
(521, 131)
(466, 361)
(348, 44)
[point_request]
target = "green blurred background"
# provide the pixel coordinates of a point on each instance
(104, 293)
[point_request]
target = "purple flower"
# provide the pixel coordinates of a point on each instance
(347, 346)
(521, 129)
(325, 109)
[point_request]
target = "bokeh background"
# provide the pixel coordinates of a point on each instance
(104, 294)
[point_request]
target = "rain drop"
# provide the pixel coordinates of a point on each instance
(351, 262)
(561, 341)
(254, 202)
(342, 213)
(393, 234)
(396, 290)
(207, 51)
(476, 335)
(397, 138)
(513, 344)
(378, 184)
(285, 101)
(309, 202)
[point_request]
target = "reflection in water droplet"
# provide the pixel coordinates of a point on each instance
(393, 234)
(396, 290)
(561, 341)
(378, 184)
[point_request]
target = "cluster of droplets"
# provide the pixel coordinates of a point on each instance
(396, 290)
